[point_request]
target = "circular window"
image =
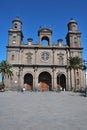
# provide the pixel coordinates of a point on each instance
(45, 56)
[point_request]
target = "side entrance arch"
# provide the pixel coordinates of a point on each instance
(28, 80)
(61, 81)
(45, 81)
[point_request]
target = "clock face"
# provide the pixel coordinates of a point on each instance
(45, 56)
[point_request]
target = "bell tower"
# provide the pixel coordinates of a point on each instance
(15, 35)
(73, 37)
(45, 34)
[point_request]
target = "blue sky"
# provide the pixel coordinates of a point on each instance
(46, 13)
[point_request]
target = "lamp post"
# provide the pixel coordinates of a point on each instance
(85, 68)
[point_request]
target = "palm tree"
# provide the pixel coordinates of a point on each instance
(5, 70)
(75, 64)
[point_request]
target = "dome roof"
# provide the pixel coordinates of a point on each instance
(44, 30)
(17, 19)
(72, 21)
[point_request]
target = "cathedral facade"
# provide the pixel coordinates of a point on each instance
(43, 67)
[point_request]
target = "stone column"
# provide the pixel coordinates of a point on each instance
(35, 78)
(53, 78)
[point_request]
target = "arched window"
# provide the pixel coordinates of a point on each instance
(12, 58)
(15, 25)
(14, 40)
(73, 27)
(75, 39)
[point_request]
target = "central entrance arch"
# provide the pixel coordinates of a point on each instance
(28, 80)
(45, 80)
(61, 80)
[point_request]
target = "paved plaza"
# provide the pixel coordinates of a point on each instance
(43, 111)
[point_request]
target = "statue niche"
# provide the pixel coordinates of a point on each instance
(29, 57)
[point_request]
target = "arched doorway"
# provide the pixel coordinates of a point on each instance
(61, 80)
(28, 80)
(45, 80)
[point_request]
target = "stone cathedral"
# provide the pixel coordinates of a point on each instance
(43, 67)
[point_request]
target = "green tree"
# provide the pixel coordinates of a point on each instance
(75, 64)
(5, 70)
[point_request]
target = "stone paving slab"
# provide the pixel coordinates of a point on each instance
(43, 111)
